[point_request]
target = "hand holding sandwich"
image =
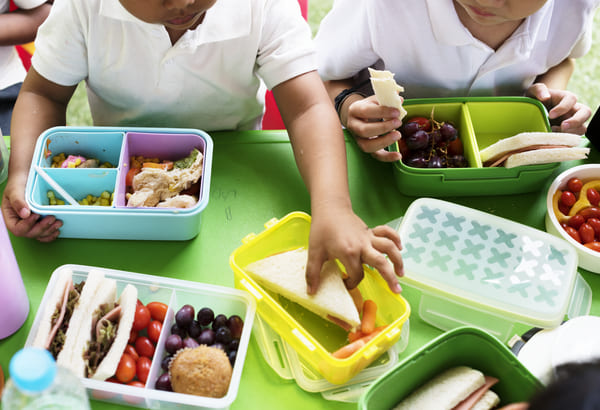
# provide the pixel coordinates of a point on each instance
(344, 236)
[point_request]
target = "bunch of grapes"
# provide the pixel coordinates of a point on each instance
(427, 143)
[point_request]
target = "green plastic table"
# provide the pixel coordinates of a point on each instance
(255, 179)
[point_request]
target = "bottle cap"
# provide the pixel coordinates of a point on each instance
(32, 369)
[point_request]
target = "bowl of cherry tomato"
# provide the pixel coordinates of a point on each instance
(573, 212)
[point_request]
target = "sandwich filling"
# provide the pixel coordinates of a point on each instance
(105, 323)
(496, 162)
(62, 316)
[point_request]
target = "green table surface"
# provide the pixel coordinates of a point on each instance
(255, 179)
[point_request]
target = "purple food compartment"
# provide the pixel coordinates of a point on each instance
(165, 146)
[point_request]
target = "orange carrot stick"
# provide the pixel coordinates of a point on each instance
(368, 318)
(349, 349)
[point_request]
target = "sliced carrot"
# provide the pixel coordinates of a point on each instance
(155, 165)
(357, 298)
(367, 324)
(349, 349)
(355, 335)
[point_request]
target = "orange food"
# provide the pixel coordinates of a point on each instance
(367, 324)
(352, 347)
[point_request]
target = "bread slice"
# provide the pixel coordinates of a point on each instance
(529, 148)
(386, 89)
(489, 401)
(285, 274)
(445, 391)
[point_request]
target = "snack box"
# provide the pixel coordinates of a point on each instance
(115, 146)
(313, 338)
(474, 268)
(175, 293)
(288, 365)
(464, 346)
(480, 122)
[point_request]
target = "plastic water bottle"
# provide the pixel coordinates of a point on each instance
(36, 382)
(15, 303)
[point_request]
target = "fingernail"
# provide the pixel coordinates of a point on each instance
(397, 288)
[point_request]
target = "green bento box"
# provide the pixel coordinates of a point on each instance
(466, 346)
(480, 122)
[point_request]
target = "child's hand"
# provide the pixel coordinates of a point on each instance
(21, 221)
(343, 235)
(565, 113)
(374, 127)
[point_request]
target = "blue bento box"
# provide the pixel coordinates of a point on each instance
(113, 147)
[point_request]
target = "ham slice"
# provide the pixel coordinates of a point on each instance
(61, 316)
(470, 401)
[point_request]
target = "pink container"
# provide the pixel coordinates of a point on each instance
(15, 303)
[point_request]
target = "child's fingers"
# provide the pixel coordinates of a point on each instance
(355, 271)
(388, 232)
(313, 271)
(377, 260)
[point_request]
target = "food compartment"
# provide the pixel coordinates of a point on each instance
(105, 146)
(465, 346)
(173, 293)
(164, 147)
(314, 338)
(474, 268)
(480, 121)
(78, 183)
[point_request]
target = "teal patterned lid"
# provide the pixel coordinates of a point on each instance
(487, 262)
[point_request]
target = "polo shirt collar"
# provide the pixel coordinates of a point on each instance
(227, 19)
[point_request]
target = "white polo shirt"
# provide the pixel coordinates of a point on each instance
(433, 55)
(11, 66)
(208, 80)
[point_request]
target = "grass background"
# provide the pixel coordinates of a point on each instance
(585, 82)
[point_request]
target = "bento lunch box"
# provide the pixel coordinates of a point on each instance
(313, 338)
(480, 122)
(464, 346)
(175, 293)
(114, 146)
(474, 268)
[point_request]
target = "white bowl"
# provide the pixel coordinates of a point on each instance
(588, 259)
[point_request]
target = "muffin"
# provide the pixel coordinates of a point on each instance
(202, 371)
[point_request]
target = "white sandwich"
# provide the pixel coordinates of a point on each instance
(458, 388)
(387, 90)
(530, 148)
(285, 273)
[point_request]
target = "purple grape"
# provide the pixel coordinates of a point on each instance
(190, 342)
(173, 343)
(219, 321)
(448, 132)
(194, 329)
(220, 346)
(233, 345)
(176, 330)
(184, 316)
(223, 335)
(232, 355)
(163, 382)
(416, 161)
(418, 140)
(435, 162)
(236, 325)
(164, 364)
(207, 337)
(205, 316)
(457, 161)
(437, 138)
(409, 129)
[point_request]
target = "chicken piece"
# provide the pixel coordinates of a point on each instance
(179, 201)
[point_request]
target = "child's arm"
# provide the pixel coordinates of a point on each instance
(320, 152)
(41, 104)
(565, 113)
(20, 26)
(372, 126)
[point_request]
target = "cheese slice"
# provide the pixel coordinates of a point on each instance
(387, 90)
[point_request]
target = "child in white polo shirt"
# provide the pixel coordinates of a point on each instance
(197, 64)
(16, 27)
(443, 48)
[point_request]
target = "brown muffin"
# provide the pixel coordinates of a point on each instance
(202, 371)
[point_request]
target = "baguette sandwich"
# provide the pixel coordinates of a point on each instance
(386, 90)
(85, 327)
(530, 148)
(284, 273)
(458, 388)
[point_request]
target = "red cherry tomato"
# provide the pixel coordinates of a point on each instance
(132, 336)
(456, 147)
(586, 233)
(143, 369)
(144, 347)
(154, 329)
(142, 317)
(126, 369)
(575, 221)
(573, 233)
(130, 350)
(595, 223)
(574, 185)
(563, 208)
(593, 196)
(136, 383)
(424, 123)
(158, 310)
(402, 148)
(595, 246)
(567, 198)
(591, 212)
